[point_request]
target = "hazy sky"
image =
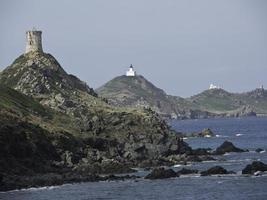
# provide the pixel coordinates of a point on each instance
(180, 46)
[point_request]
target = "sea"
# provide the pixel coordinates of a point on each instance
(247, 133)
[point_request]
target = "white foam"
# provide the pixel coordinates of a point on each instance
(238, 134)
(34, 189)
(190, 176)
(221, 136)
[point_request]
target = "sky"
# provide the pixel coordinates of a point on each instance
(181, 46)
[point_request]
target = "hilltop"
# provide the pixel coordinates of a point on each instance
(138, 92)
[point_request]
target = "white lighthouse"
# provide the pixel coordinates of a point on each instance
(33, 41)
(131, 71)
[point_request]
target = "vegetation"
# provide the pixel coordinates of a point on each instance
(138, 92)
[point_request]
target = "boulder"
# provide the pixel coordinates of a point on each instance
(258, 150)
(214, 170)
(185, 171)
(161, 173)
(227, 147)
(254, 167)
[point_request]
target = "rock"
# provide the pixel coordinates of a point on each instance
(193, 158)
(227, 147)
(1, 178)
(258, 150)
(184, 171)
(200, 151)
(254, 167)
(214, 170)
(161, 173)
(112, 166)
(258, 173)
(207, 133)
(204, 133)
(112, 177)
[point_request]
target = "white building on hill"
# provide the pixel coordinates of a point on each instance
(213, 87)
(131, 71)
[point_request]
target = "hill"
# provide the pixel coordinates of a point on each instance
(51, 122)
(139, 92)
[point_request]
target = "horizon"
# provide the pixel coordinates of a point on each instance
(179, 46)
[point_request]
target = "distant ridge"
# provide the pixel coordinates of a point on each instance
(139, 92)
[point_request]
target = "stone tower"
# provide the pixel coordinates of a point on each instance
(33, 41)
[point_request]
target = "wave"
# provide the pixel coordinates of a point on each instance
(263, 151)
(238, 134)
(190, 176)
(35, 188)
(180, 165)
(207, 136)
(221, 136)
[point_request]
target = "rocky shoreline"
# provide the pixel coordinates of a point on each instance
(78, 174)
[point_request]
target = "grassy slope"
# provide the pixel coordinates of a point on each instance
(11, 99)
(17, 104)
(216, 101)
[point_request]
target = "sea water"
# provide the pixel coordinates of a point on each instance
(247, 133)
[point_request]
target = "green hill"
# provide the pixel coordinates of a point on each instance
(138, 92)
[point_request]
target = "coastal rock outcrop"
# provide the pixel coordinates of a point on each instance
(254, 167)
(227, 147)
(161, 173)
(204, 133)
(185, 171)
(214, 171)
(259, 150)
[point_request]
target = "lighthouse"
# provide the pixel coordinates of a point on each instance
(33, 41)
(131, 71)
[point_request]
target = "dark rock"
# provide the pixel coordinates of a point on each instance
(1, 178)
(161, 173)
(254, 167)
(227, 147)
(214, 170)
(200, 151)
(184, 171)
(194, 158)
(113, 177)
(258, 150)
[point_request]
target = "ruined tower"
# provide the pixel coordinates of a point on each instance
(33, 41)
